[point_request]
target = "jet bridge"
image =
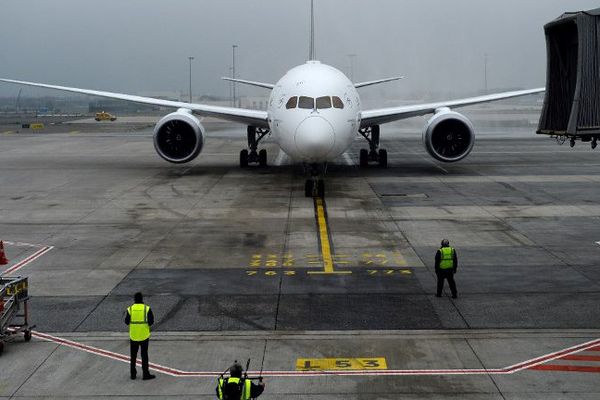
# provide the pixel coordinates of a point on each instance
(572, 101)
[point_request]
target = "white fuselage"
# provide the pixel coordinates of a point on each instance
(322, 121)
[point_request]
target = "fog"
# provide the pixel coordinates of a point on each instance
(138, 46)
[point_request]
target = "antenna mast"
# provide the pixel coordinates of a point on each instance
(311, 55)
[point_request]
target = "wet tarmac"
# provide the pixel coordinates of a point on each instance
(231, 263)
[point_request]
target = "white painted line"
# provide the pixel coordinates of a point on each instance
(552, 356)
(391, 372)
(348, 159)
(107, 354)
(28, 260)
(22, 244)
(281, 156)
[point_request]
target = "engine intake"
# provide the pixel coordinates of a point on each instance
(448, 136)
(179, 137)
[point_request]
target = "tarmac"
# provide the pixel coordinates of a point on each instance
(232, 263)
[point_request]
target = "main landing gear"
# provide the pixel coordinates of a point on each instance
(251, 155)
(374, 154)
(315, 186)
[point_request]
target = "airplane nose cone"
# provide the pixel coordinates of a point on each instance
(315, 138)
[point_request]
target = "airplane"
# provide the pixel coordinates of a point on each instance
(314, 114)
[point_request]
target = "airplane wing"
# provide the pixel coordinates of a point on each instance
(384, 115)
(376, 82)
(251, 83)
(248, 117)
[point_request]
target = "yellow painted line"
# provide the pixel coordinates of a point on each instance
(7, 132)
(36, 126)
(324, 241)
(324, 236)
(331, 364)
(329, 272)
(73, 132)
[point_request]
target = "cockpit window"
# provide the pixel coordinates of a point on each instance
(291, 102)
(337, 102)
(306, 102)
(323, 102)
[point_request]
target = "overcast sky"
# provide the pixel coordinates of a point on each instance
(137, 46)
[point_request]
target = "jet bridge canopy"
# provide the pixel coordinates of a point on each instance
(572, 99)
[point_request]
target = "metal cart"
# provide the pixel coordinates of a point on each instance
(14, 317)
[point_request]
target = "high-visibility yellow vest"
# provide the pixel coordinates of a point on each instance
(245, 391)
(139, 330)
(446, 257)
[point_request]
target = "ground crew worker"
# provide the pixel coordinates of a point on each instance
(446, 264)
(139, 317)
(237, 388)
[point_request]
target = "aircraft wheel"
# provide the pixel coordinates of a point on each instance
(383, 158)
(594, 143)
(364, 158)
(244, 158)
(1, 347)
(321, 188)
(27, 335)
(572, 142)
(308, 187)
(262, 158)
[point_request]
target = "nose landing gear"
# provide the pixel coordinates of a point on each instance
(252, 156)
(374, 154)
(315, 186)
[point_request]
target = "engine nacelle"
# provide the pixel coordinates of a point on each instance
(179, 137)
(448, 135)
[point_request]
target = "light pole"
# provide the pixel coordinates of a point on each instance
(351, 57)
(233, 47)
(231, 87)
(485, 62)
(190, 58)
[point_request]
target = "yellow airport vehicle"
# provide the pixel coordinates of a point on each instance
(104, 116)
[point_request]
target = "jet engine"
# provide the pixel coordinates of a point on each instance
(448, 135)
(179, 137)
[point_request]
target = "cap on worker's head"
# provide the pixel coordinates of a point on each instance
(445, 243)
(138, 298)
(235, 370)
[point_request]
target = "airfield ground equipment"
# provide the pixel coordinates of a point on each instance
(572, 102)
(14, 315)
(104, 116)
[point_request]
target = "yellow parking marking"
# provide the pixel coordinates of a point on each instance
(378, 258)
(36, 126)
(400, 258)
(324, 241)
(290, 272)
(330, 364)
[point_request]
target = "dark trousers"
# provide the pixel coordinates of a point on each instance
(447, 274)
(134, 350)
